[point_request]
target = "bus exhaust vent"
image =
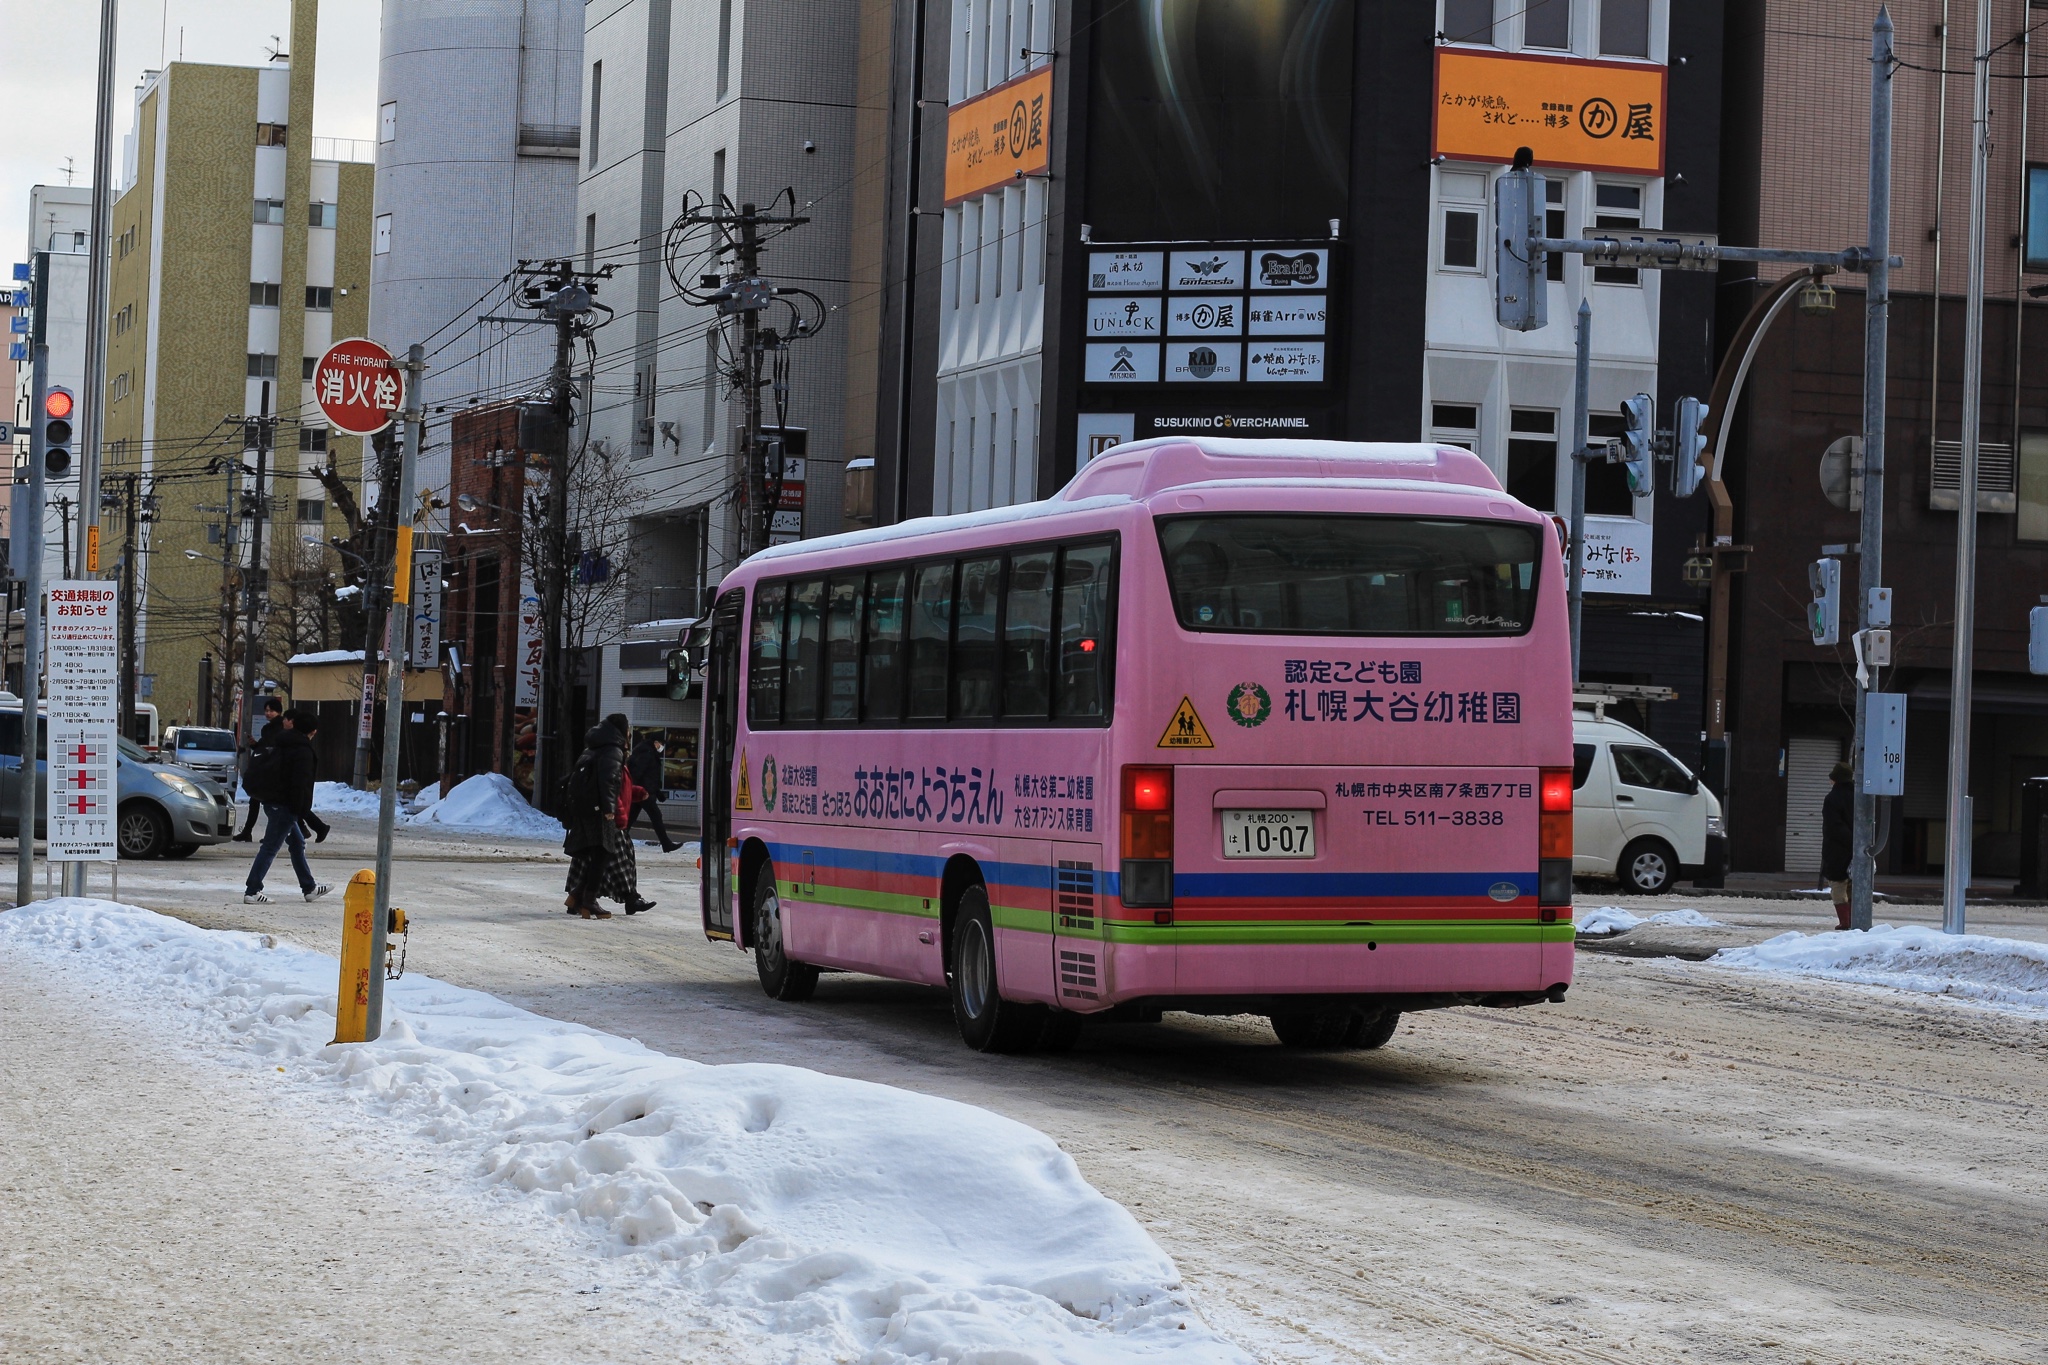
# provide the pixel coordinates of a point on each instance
(1077, 975)
(1074, 893)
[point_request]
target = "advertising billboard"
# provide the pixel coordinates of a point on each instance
(1577, 115)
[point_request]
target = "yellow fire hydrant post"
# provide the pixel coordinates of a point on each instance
(359, 965)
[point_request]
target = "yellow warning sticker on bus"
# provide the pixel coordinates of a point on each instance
(1185, 730)
(745, 799)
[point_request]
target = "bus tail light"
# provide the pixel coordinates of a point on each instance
(1147, 830)
(1554, 842)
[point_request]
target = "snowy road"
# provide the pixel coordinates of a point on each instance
(1683, 1161)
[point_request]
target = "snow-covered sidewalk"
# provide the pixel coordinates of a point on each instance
(818, 1218)
(2003, 973)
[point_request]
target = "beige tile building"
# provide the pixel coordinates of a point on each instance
(241, 249)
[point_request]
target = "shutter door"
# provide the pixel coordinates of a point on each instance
(1807, 761)
(1926, 796)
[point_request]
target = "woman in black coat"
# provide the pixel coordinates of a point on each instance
(600, 855)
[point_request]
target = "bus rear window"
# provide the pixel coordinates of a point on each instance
(1276, 574)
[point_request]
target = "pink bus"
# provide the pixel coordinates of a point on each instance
(1227, 727)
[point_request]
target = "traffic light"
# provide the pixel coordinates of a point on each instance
(1638, 436)
(678, 660)
(2037, 640)
(58, 409)
(1688, 443)
(1824, 613)
(1520, 296)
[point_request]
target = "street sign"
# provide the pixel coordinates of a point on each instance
(1884, 744)
(6, 433)
(426, 609)
(82, 630)
(357, 387)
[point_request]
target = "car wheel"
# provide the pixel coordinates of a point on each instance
(781, 978)
(1648, 867)
(141, 831)
(988, 1023)
(181, 850)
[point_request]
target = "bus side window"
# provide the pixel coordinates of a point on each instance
(931, 636)
(1027, 628)
(882, 686)
(803, 670)
(842, 649)
(764, 656)
(974, 638)
(1085, 648)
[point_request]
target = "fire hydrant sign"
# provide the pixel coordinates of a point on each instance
(83, 725)
(357, 387)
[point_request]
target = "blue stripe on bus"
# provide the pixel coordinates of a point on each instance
(908, 864)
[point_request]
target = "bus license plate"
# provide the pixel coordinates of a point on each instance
(1269, 834)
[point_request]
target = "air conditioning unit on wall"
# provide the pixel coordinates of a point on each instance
(1997, 477)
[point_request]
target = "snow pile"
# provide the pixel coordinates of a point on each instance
(853, 1221)
(339, 798)
(2005, 972)
(1612, 919)
(489, 804)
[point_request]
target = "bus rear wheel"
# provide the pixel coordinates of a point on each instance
(781, 978)
(1368, 1030)
(988, 1023)
(1312, 1029)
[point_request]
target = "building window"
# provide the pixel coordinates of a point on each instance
(718, 177)
(2037, 218)
(1468, 21)
(1624, 28)
(312, 438)
(320, 298)
(321, 215)
(381, 241)
(1463, 196)
(596, 105)
(262, 295)
(306, 364)
(1553, 226)
(262, 366)
(387, 121)
(270, 134)
(312, 510)
(590, 242)
(2033, 500)
(1607, 493)
(724, 47)
(1548, 23)
(270, 211)
(124, 384)
(1455, 424)
(1617, 206)
(1532, 457)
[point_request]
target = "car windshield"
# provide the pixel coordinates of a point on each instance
(212, 741)
(132, 751)
(1314, 574)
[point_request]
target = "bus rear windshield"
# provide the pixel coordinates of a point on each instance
(1305, 574)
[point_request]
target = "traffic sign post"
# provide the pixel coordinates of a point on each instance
(84, 658)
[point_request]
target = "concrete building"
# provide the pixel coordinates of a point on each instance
(217, 312)
(60, 225)
(478, 144)
(1796, 167)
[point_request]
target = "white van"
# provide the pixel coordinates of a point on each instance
(1638, 814)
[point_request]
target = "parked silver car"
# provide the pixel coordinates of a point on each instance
(203, 749)
(164, 810)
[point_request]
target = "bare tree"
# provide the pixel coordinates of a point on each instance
(598, 546)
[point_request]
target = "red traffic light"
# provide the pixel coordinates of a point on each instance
(57, 403)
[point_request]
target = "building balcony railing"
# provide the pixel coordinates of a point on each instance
(344, 149)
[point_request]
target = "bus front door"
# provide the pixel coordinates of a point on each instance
(714, 768)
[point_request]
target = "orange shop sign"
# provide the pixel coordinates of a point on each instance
(997, 136)
(1574, 115)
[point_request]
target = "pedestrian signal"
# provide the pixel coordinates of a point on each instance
(1824, 613)
(1688, 444)
(1638, 436)
(1521, 296)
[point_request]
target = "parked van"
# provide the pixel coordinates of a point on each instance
(1638, 814)
(201, 748)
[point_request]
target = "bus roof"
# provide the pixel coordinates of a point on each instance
(1143, 468)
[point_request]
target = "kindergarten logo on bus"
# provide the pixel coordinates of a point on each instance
(1249, 704)
(768, 784)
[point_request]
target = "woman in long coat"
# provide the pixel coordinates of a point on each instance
(601, 860)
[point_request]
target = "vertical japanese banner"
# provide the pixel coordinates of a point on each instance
(426, 609)
(83, 725)
(526, 681)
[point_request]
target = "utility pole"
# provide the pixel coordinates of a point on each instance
(27, 788)
(1582, 388)
(754, 511)
(1955, 870)
(255, 578)
(128, 615)
(1876, 324)
(375, 568)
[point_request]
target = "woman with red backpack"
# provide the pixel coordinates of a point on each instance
(599, 807)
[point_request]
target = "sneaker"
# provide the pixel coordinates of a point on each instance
(318, 891)
(258, 898)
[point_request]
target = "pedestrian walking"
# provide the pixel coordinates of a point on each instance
(1837, 839)
(644, 767)
(598, 807)
(287, 798)
(259, 753)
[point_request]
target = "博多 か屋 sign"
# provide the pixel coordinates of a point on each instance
(1573, 115)
(357, 387)
(998, 136)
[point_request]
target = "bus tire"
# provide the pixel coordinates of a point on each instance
(780, 977)
(988, 1023)
(1311, 1029)
(1062, 1031)
(1368, 1030)
(1648, 867)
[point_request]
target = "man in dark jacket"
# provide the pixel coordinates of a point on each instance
(287, 799)
(1837, 839)
(600, 855)
(644, 767)
(254, 771)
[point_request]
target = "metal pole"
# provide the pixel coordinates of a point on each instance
(1582, 387)
(1956, 859)
(95, 396)
(379, 541)
(754, 492)
(398, 641)
(29, 787)
(1876, 324)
